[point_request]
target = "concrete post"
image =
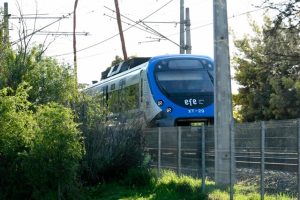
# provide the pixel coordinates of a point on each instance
(5, 23)
(188, 45)
(222, 94)
(181, 43)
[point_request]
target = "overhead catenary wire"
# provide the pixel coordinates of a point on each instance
(38, 30)
(211, 23)
(138, 23)
(163, 36)
(113, 36)
(146, 28)
(34, 17)
(129, 24)
(197, 27)
(65, 33)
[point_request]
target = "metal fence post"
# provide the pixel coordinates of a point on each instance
(262, 173)
(179, 151)
(159, 152)
(298, 134)
(203, 158)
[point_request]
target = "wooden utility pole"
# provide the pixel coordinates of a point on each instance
(222, 99)
(74, 42)
(120, 29)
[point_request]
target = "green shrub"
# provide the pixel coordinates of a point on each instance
(16, 134)
(53, 161)
(110, 150)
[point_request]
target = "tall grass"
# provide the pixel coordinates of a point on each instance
(171, 186)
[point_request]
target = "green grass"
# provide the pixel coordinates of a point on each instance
(170, 186)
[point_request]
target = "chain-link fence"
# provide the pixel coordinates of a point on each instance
(266, 154)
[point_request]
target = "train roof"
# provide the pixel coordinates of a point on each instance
(123, 66)
(179, 56)
(134, 62)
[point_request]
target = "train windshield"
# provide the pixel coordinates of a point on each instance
(184, 79)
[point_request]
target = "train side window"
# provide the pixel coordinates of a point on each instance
(122, 83)
(105, 92)
(113, 101)
(112, 86)
(131, 97)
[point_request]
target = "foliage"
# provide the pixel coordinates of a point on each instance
(50, 81)
(111, 148)
(139, 177)
(287, 11)
(267, 68)
(116, 61)
(16, 135)
(169, 186)
(111, 151)
(42, 148)
(53, 160)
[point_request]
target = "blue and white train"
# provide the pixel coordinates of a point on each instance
(168, 90)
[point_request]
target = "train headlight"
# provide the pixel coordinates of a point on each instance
(169, 109)
(160, 102)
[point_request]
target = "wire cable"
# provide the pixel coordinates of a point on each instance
(107, 39)
(38, 30)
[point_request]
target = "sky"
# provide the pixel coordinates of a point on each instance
(98, 48)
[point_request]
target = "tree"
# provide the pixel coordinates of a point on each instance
(288, 11)
(50, 81)
(267, 68)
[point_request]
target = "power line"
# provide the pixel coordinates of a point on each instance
(38, 30)
(146, 28)
(37, 14)
(66, 33)
(211, 23)
(34, 17)
(150, 22)
(109, 38)
(161, 35)
(129, 24)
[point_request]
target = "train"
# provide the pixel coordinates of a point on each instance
(165, 90)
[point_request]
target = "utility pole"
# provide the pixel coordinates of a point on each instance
(74, 42)
(222, 95)
(188, 45)
(5, 24)
(181, 43)
(120, 30)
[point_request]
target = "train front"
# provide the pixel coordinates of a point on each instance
(182, 87)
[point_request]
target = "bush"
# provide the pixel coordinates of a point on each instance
(53, 161)
(110, 150)
(16, 134)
